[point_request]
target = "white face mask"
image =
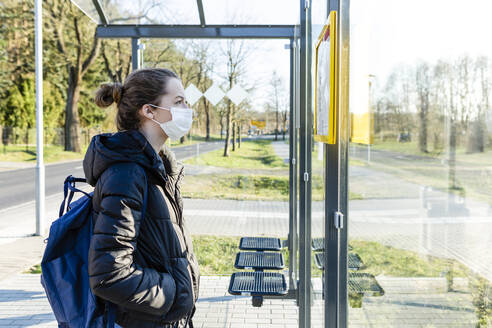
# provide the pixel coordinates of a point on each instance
(180, 123)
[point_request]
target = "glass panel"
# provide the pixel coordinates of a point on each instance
(87, 6)
(244, 194)
(318, 18)
(420, 182)
(251, 11)
(151, 11)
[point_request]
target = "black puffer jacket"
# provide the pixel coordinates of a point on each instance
(145, 266)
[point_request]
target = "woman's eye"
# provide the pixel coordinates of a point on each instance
(179, 102)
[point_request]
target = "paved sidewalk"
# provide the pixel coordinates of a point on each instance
(23, 304)
(407, 303)
(400, 222)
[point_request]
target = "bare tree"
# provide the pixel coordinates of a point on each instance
(66, 22)
(221, 109)
(235, 53)
(285, 116)
(394, 104)
(201, 55)
(117, 59)
(185, 69)
(276, 84)
(480, 102)
(422, 83)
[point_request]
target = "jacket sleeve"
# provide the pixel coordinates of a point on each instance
(112, 272)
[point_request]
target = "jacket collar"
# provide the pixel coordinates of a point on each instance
(171, 165)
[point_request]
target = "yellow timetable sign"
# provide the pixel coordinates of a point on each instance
(260, 124)
(361, 128)
(326, 82)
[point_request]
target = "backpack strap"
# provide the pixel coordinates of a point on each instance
(111, 314)
(69, 184)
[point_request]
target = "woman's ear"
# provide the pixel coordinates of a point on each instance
(146, 111)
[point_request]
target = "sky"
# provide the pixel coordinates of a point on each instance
(385, 33)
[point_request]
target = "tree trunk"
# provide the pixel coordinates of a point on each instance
(276, 124)
(228, 130)
(72, 123)
(207, 119)
(476, 136)
(452, 156)
(423, 123)
(27, 139)
(7, 133)
(284, 128)
(234, 136)
(221, 127)
(239, 132)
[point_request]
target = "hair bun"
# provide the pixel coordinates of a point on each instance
(108, 94)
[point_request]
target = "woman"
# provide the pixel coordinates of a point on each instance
(143, 264)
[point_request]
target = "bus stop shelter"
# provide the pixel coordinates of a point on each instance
(299, 34)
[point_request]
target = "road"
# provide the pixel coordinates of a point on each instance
(18, 186)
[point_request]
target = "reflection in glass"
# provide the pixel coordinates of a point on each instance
(251, 11)
(151, 11)
(87, 7)
(420, 207)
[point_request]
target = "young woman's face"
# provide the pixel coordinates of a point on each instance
(173, 98)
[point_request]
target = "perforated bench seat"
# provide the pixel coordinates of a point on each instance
(258, 284)
(259, 261)
(354, 261)
(260, 244)
(318, 245)
(364, 283)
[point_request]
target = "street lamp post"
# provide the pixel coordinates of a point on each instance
(40, 175)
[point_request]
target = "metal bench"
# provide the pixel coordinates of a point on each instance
(257, 285)
(354, 261)
(260, 244)
(364, 283)
(318, 245)
(259, 261)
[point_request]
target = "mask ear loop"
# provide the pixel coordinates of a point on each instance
(169, 110)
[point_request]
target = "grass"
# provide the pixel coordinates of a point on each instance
(254, 154)
(34, 270)
(19, 153)
(216, 256)
(55, 153)
(250, 184)
(409, 148)
(247, 187)
(385, 260)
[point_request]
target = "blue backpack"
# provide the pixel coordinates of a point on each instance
(65, 276)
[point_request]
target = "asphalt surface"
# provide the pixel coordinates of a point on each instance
(18, 186)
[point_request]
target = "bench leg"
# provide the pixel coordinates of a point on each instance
(257, 301)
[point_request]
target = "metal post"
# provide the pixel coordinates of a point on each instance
(336, 174)
(40, 176)
(136, 61)
(197, 31)
(305, 167)
(293, 173)
(344, 121)
(141, 48)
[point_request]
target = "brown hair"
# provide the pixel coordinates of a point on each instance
(143, 86)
